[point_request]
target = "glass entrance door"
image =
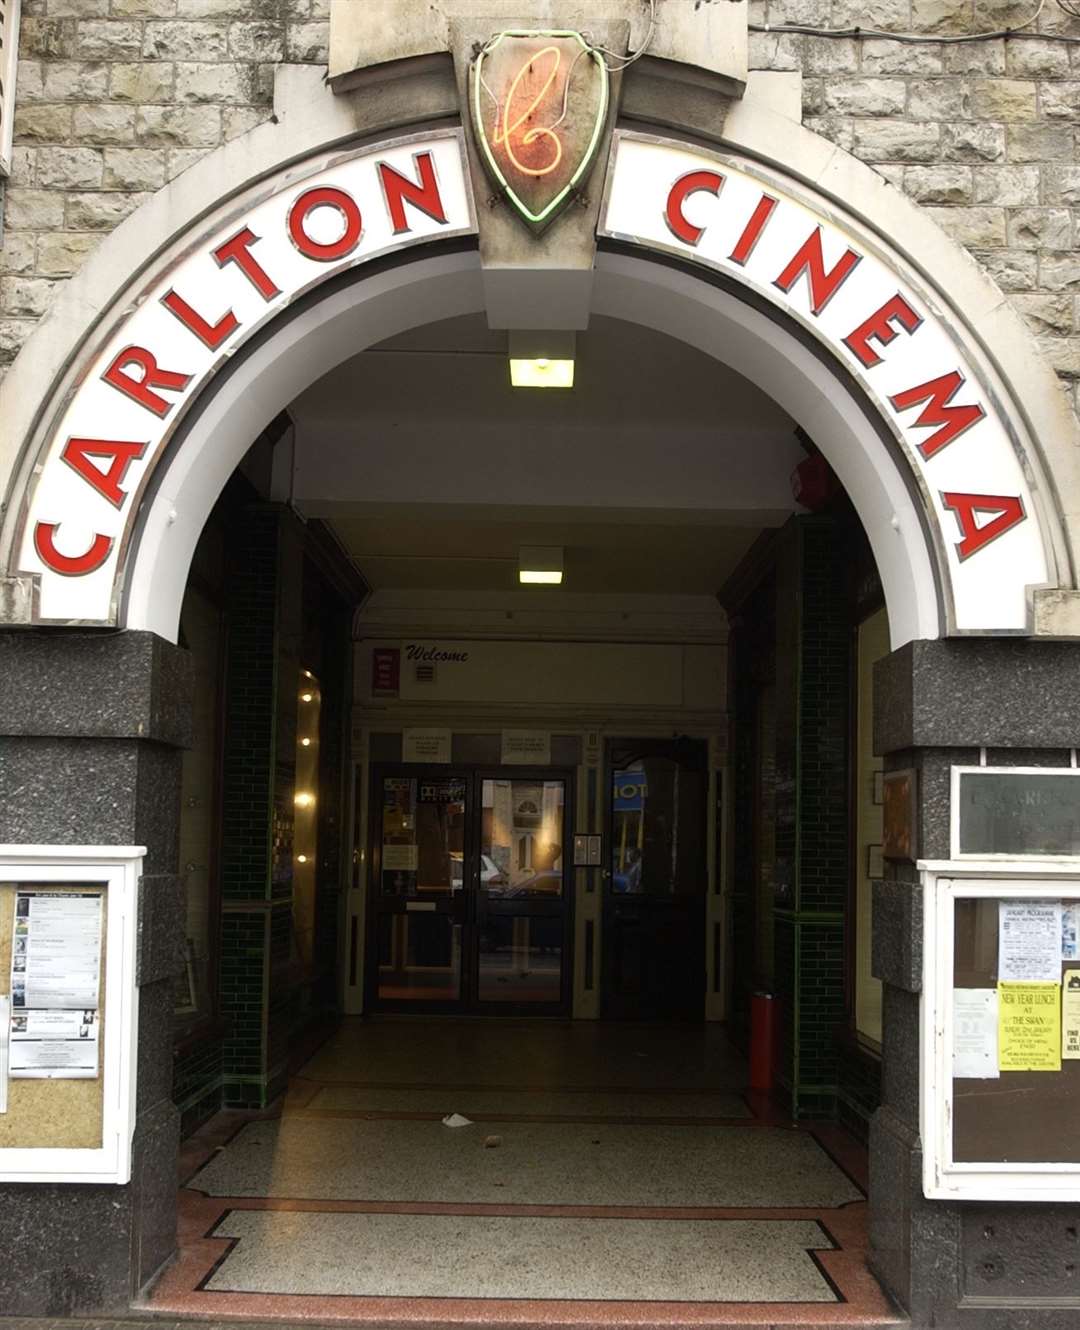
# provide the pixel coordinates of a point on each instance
(654, 897)
(469, 892)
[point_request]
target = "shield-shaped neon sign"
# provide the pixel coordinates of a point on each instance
(539, 105)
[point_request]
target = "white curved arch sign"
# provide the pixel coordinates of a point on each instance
(78, 520)
(237, 276)
(871, 317)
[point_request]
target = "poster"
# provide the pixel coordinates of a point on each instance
(400, 858)
(448, 791)
(975, 1033)
(1029, 1027)
(526, 748)
(55, 1021)
(1070, 1015)
(52, 1043)
(5, 1027)
(1029, 942)
(425, 745)
(1070, 917)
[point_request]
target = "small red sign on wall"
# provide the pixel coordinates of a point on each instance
(385, 671)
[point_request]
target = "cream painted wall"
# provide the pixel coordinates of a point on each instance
(873, 643)
(546, 677)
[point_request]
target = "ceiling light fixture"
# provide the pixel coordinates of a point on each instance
(543, 359)
(540, 565)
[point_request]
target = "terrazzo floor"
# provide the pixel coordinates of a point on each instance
(611, 1175)
(638, 1259)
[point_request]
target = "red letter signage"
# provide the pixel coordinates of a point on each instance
(937, 394)
(352, 224)
(712, 182)
(399, 190)
(141, 390)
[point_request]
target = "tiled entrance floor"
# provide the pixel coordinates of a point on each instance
(610, 1175)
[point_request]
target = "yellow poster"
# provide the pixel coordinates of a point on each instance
(1070, 1015)
(1029, 1026)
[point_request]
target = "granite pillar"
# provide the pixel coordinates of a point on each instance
(92, 728)
(958, 1265)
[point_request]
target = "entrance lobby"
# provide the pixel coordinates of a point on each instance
(601, 1173)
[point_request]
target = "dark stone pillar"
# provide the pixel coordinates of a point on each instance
(959, 1264)
(265, 588)
(92, 727)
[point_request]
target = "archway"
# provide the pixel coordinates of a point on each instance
(102, 517)
(283, 281)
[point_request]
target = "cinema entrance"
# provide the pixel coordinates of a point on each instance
(806, 494)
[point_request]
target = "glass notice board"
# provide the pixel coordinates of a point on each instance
(1001, 1031)
(68, 1001)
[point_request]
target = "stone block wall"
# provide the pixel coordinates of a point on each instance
(116, 97)
(981, 134)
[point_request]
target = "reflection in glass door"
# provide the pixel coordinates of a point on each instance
(520, 939)
(469, 899)
(420, 908)
(654, 897)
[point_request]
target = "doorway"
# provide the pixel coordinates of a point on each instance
(471, 911)
(655, 886)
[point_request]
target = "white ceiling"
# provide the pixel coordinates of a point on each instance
(656, 472)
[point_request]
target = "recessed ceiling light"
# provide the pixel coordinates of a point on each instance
(543, 359)
(540, 565)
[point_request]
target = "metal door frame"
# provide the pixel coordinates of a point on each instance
(470, 905)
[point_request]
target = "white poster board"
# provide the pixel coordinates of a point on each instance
(73, 904)
(9, 50)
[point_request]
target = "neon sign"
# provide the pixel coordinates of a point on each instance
(539, 103)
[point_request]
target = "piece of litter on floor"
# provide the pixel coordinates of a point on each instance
(456, 1120)
(492, 1142)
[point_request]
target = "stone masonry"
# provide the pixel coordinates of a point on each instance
(116, 97)
(113, 99)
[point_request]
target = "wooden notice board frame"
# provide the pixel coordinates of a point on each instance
(78, 1130)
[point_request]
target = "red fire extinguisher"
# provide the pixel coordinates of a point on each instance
(764, 1009)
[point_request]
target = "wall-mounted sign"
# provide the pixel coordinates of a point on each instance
(539, 101)
(240, 272)
(1016, 811)
(526, 748)
(548, 673)
(9, 53)
(872, 316)
(385, 672)
(899, 814)
(419, 745)
(167, 336)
